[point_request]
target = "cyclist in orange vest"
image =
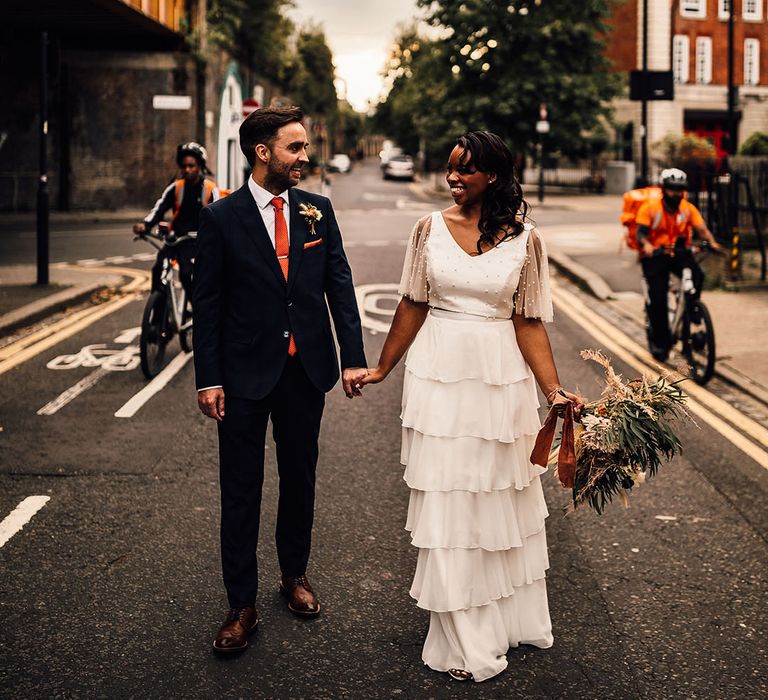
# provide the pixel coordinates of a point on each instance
(186, 196)
(670, 221)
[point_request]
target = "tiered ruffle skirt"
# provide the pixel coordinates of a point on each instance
(476, 510)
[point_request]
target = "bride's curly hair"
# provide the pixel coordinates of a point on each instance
(504, 209)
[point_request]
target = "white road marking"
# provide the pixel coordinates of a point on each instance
(88, 262)
(701, 402)
(118, 260)
(369, 298)
(145, 256)
(130, 407)
(20, 516)
(73, 392)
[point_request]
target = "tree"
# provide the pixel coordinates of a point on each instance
(756, 144)
(311, 75)
(495, 63)
(240, 27)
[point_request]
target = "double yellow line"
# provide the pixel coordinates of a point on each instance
(705, 405)
(33, 344)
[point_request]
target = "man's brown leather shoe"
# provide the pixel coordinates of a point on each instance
(302, 600)
(233, 634)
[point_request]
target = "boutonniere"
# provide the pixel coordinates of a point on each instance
(311, 215)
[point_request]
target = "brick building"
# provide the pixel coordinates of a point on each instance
(690, 38)
(125, 90)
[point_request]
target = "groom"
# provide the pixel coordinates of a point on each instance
(270, 264)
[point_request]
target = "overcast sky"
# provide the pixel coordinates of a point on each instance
(360, 33)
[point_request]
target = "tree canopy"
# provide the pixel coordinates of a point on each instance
(492, 65)
(255, 32)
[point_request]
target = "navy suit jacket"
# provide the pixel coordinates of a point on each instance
(245, 311)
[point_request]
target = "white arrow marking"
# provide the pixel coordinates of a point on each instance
(20, 516)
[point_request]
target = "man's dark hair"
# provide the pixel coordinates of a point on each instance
(262, 125)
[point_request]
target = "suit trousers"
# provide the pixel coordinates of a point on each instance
(295, 407)
(656, 271)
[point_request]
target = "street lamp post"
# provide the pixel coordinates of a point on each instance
(42, 183)
(644, 101)
(542, 128)
(731, 86)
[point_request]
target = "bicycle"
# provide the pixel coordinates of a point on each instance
(690, 322)
(167, 311)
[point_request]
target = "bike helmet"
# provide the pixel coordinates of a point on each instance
(674, 179)
(195, 150)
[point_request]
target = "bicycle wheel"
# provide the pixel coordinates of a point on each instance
(699, 342)
(154, 334)
(185, 332)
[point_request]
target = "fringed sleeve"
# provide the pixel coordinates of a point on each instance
(533, 298)
(413, 283)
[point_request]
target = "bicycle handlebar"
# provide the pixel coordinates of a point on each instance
(171, 240)
(702, 247)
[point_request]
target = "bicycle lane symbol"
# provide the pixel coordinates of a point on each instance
(99, 356)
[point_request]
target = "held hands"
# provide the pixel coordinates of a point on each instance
(352, 379)
(138, 229)
(355, 379)
(211, 403)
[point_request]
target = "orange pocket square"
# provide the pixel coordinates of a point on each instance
(312, 244)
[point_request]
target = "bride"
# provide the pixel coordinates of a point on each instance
(475, 291)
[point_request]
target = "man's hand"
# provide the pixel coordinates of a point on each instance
(211, 403)
(648, 248)
(351, 379)
(138, 229)
(373, 376)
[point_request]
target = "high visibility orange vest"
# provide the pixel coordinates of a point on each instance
(633, 200)
(208, 188)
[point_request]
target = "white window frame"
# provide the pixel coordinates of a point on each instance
(681, 52)
(752, 10)
(703, 60)
(693, 9)
(751, 61)
(723, 9)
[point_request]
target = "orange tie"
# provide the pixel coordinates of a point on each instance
(281, 248)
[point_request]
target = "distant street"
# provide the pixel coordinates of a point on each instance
(113, 589)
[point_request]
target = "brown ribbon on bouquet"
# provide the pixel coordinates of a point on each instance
(566, 458)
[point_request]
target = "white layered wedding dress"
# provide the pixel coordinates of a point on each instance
(469, 414)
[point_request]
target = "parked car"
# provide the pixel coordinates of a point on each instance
(399, 168)
(339, 163)
(388, 153)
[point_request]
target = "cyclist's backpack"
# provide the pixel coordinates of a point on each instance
(633, 200)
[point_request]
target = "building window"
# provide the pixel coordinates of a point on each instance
(704, 60)
(693, 8)
(751, 61)
(723, 9)
(753, 9)
(680, 53)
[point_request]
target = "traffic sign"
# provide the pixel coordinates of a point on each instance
(249, 107)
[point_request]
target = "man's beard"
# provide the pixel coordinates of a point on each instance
(278, 176)
(672, 202)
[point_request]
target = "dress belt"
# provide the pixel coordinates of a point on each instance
(464, 316)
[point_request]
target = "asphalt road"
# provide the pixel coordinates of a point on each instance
(113, 589)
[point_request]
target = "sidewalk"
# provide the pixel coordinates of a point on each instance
(22, 302)
(740, 317)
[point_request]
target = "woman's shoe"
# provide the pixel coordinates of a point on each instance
(459, 674)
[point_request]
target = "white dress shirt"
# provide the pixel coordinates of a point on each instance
(264, 202)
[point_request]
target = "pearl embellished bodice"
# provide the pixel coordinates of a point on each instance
(481, 285)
